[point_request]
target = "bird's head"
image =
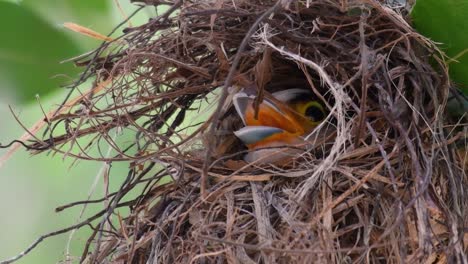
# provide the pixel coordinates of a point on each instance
(282, 118)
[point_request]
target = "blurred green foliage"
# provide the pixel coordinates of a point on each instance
(446, 22)
(95, 14)
(79, 8)
(30, 53)
(32, 186)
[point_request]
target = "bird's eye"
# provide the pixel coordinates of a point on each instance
(314, 111)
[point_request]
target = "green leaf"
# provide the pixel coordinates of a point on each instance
(94, 14)
(88, 5)
(30, 53)
(446, 22)
(69, 8)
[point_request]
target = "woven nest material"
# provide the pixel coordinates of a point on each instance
(382, 182)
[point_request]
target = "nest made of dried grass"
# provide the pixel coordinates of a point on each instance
(384, 181)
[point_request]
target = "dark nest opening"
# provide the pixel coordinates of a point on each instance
(382, 180)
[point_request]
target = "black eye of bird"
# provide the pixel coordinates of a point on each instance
(315, 113)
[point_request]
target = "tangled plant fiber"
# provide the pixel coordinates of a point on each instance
(382, 182)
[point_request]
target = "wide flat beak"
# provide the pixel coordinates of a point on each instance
(255, 137)
(275, 124)
(271, 113)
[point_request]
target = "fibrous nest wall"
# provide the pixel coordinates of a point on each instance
(382, 182)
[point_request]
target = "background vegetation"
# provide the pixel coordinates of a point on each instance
(32, 44)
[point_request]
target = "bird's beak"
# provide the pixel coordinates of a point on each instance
(275, 122)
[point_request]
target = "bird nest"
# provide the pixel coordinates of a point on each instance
(381, 179)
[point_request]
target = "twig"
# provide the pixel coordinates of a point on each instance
(227, 83)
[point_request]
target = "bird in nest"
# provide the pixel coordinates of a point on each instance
(283, 119)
